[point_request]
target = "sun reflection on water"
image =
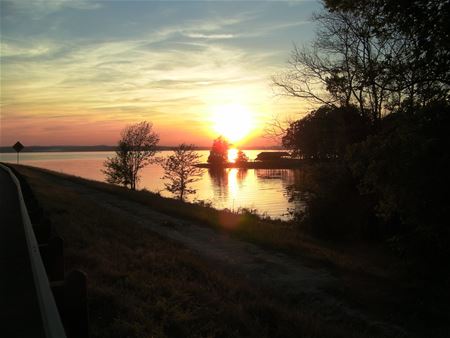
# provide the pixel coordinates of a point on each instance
(233, 186)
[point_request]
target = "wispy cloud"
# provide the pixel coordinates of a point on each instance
(170, 73)
(37, 9)
(209, 36)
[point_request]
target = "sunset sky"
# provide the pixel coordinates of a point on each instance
(77, 72)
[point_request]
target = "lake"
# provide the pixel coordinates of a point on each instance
(265, 190)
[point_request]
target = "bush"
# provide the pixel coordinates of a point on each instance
(335, 209)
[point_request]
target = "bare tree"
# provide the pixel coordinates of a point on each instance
(136, 149)
(181, 170)
(276, 128)
(347, 64)
(414, 39)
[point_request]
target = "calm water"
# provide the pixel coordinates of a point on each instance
(264, 189)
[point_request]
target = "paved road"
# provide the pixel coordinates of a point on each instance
(19, 309)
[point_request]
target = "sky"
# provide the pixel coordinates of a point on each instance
(76, 72)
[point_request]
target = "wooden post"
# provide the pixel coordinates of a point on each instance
(71, 299)
(75, 291)
(52, 255)
(43, 230)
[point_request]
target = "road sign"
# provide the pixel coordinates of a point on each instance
(18, 148)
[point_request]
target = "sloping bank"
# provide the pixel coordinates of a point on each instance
(143, 283)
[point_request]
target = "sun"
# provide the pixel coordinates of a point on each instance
(233, 121)
(232, 155)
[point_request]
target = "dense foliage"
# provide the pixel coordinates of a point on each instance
(325, 133)
(405, 169)
(380, 70)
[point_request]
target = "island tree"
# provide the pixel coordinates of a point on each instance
(135, 150)
(241, 157)
(181, 170)
(218, 154)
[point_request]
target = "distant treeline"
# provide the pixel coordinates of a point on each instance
(38, 149)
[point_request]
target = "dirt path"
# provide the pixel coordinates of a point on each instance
(267, 268)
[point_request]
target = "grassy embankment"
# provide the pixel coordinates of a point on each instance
(141, 285)
(244, 224)
(117, 253)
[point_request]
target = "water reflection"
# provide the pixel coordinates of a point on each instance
(298, 189)
(269, 191)
(261, 189)
(233, 183)
(267, 174)
(227, 183)
(219, 177)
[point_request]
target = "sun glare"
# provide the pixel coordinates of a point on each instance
(233, 121)
(232, 155)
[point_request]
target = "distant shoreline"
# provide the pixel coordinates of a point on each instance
(53, 149)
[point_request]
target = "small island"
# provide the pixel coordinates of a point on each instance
(223, 155)
(264, 160)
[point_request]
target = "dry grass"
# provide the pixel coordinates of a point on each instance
(141, 285)
(271, 234)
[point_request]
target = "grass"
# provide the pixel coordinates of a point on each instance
(141, 283)
(247, 225)
(365, 258)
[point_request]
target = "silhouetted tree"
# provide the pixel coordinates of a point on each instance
(135, 150)
(181, 170)
(386, 62)
(241, 157)
(342, 68)
(325, 133)
(422, 68)
(218, 154)
(361, 58)
(276, 127)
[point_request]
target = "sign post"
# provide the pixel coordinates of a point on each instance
(18, 148)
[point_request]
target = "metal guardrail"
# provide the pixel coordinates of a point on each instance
(50, 316)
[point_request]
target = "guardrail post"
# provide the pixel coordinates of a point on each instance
(43, 230)
(76, 306)
(52, 255)
(71, 298)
